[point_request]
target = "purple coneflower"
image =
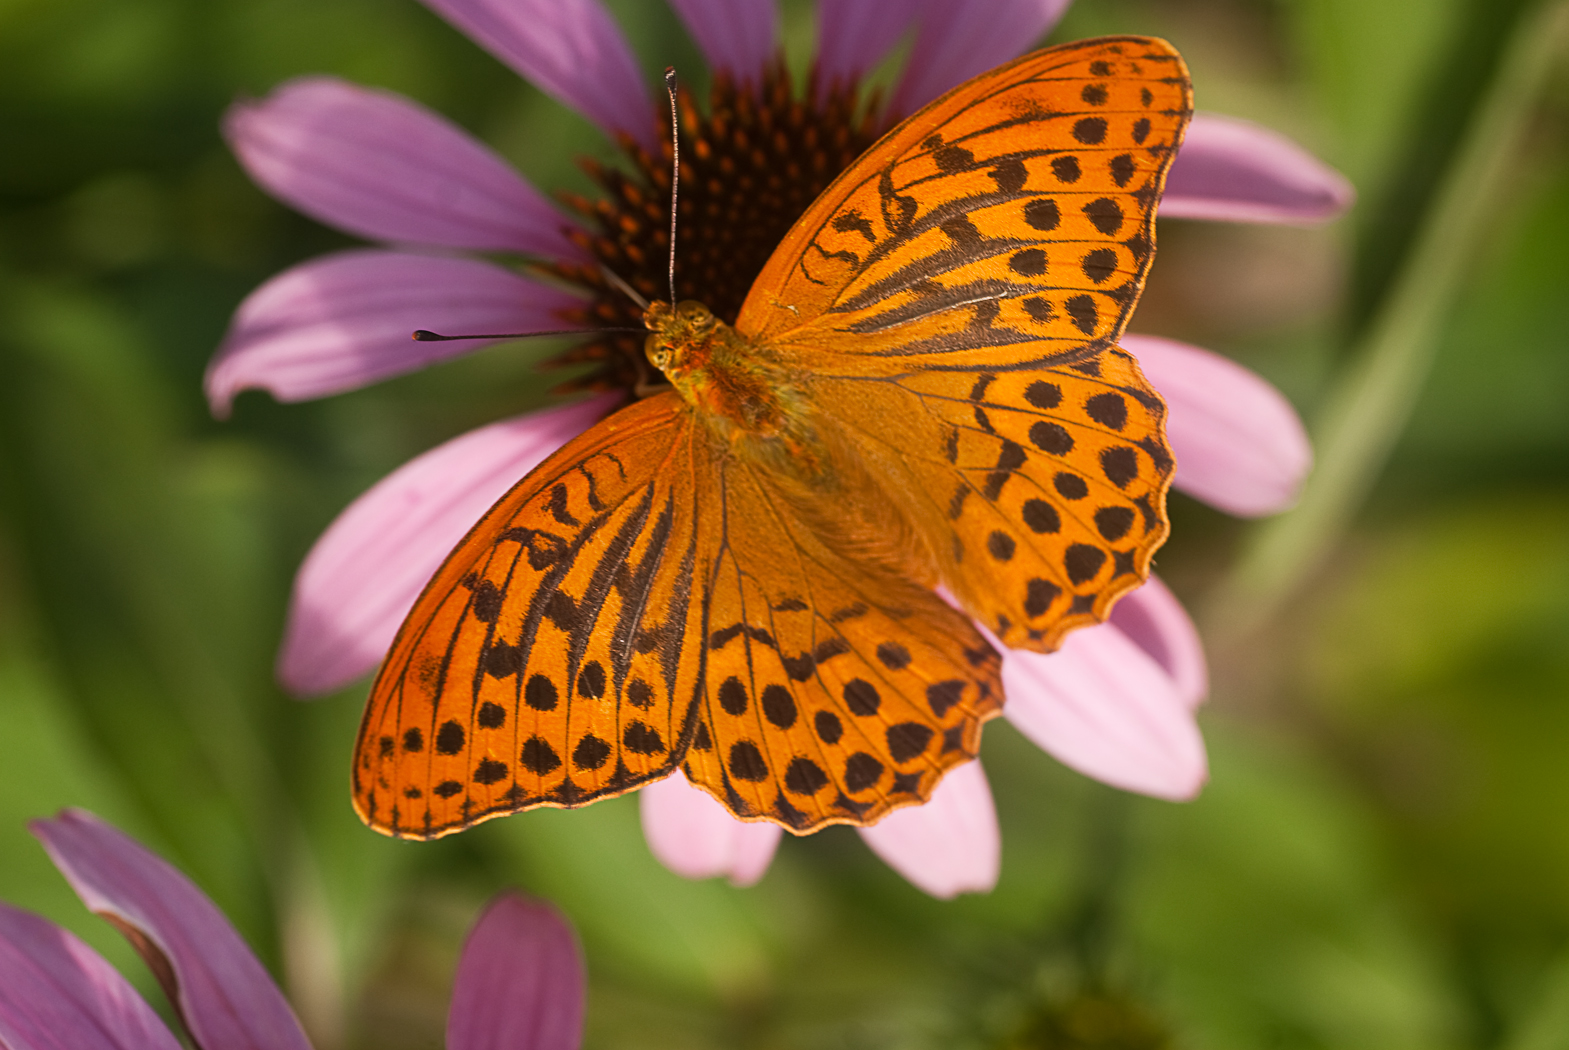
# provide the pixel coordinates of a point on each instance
(520, 980)
(1116, 702)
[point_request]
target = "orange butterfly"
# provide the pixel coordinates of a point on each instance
(735, 576)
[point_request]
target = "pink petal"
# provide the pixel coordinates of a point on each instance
(520, 982)
(222, 993)
(1155, 621)
(951, 844)
(854, 35)
(961, 38)
(361, 578)
(56, 993)
(735, 35)
(346, 320)
(1234, 170)
(384, 167)
(571, 50)
(690, 833)
(1239, 444)
(1104, 707)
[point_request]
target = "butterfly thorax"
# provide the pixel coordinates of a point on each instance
(727, 378)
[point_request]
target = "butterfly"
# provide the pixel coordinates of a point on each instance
(737, 576)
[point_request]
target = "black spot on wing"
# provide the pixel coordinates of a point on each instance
(951, 159)
(489, 771)
(1083, 562)
(1010, 175)
(1090, 130)
(1113, 523)
(942, 696)
(1010, 458)
(746, 763)
(1081, 308)
(854, 220)
(861, 771)
(557, 505)
(1099, 265)
(805, 777)
(1038, 596)
(1105, 214)
(907, 740)
(449, 738)
(486, 603)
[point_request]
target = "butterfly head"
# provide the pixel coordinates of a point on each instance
(718, 371)
(678, 337)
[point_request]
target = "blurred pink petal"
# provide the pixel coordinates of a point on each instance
(950, 845)
(735, 35)
(361, 578)
(56, 993)
(343, 321)
(223, 994)
(1239, 444)
(570, 49)
(520, 982)
(1155, 621)
(854, 35)
(1234, 170)
(690, 833)
(958, 39)
(381, 166)
(1104, 707)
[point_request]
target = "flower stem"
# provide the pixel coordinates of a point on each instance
(1373, 400)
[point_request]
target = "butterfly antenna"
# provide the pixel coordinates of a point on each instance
(422, 335)
(625, 288)
(675, 174)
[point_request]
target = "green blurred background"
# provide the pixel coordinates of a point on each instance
(1381, 859)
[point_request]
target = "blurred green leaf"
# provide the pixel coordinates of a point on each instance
(701, 937)
(1271, 914)
(1372, 401)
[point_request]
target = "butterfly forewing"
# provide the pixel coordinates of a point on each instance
(1014, 215)
(956, 300)
(544, 664)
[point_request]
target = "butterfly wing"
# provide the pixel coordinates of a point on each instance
(953, 303)
(643, 600)
(544, 663)
(835, 689)
(1041, 492)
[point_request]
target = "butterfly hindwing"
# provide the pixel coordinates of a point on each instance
(834, 691)
(1044, 490)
